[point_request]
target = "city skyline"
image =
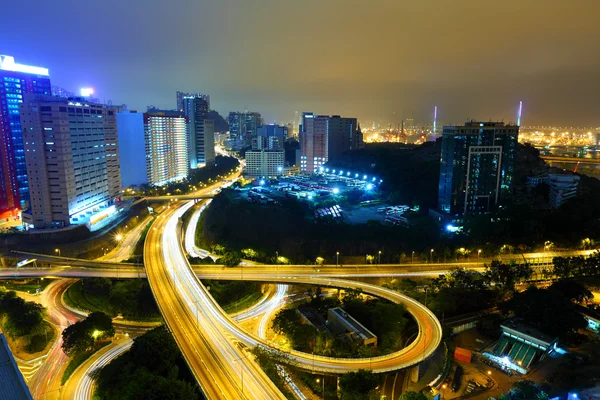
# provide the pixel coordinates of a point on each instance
(412, 59)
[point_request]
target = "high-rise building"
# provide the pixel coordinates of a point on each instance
(267, 163)
(130, 125)
(15, 81)
(66, 143)
(279, 132)
(477, 167)
(165, 135)
(325, 138)
(181, 95)
(111, 144)
(201, 132)
(243, 126)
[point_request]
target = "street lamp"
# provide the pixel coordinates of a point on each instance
(412, 257)
(322, 380)
(337, 258)
(431, 256)
(478, 253)
(57, 251)
(379, 262)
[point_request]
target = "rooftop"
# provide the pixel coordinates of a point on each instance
(12, 384)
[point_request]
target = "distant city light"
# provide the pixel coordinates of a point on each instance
(327, 170)
(320, 169)
(262, 182)
(86, 92)
(7, 63)
(365, 177)
(356, 175)
(370, 186)
(279, 169)
(336, 190)
(310, 196)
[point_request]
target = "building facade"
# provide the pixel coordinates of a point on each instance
(182, 95)
(243, 126)
(279, 132)
(201, 132)
(16, 80)
(477, 167)
(265, 163)
(325, 138)
(130, 125)
(165, 136)
(66, 145)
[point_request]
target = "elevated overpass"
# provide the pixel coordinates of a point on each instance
(571, 160)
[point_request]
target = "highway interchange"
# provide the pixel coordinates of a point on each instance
(214, 345)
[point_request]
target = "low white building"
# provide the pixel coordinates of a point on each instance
(265, 163)
(562, 188)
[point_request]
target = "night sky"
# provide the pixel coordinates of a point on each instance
(380, 60)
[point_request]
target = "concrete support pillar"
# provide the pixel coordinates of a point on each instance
(414, 374)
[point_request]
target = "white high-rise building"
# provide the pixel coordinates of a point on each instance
(167, 157)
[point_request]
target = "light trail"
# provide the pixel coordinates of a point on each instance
(85, 387)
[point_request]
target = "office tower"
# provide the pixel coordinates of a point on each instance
(66, 143)
(267, 163)
(15, 81)
(243, 127)
(130, 125)
(165, 136)
(325, 138)
(181, 95)
(343, 134)
(477, 167)
(201, 132)
(267, 132)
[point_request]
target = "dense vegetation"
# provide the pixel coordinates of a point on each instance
(237, 224)
(83, 335)
(153, 369)
(84, 338)
(131, 298)
(24, 321)
(359, 385)
(386, 320)
(234, 295)
(201, 176)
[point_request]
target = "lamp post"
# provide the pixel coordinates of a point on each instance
(323, 380)
(379, 262)
(431, 256)
(57, 251)
(478, 253)
(412, 257)
(337, 258)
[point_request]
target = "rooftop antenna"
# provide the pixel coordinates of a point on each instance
(520, 113)
(434, 120)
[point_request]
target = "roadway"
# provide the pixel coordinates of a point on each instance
(533, 258)
(127, 244)
(222, 369)
(572, 160)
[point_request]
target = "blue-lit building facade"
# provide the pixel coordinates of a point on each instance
(70, 146)
(477, 167)
(15, 81)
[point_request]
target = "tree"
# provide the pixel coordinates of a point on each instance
(572, 290)
(82, 335)
(507, 275)
(524, 390)
(553, 314)
(97, 286)
(230, 259)
(412, 396)
(358, 385)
